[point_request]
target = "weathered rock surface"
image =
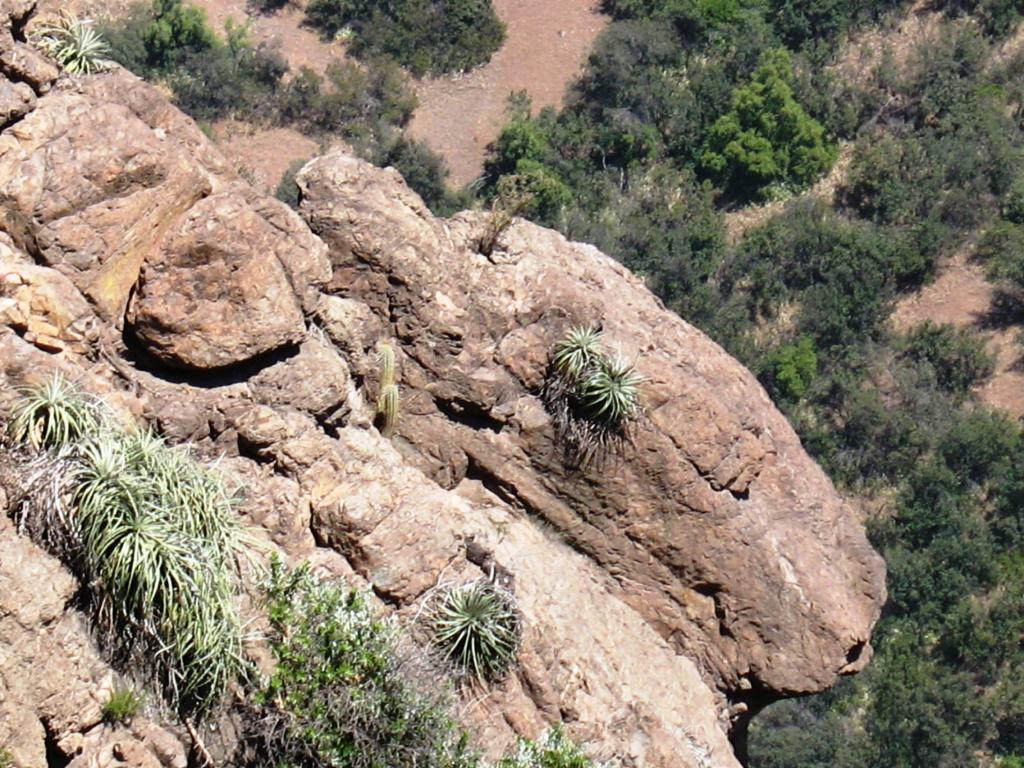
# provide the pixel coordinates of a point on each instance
(709, 570)
(53, 683)
(217, 290)
(103, 176)
(719, 529)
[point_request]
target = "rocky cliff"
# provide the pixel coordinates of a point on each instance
(668, 593)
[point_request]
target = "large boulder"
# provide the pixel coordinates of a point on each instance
(218, 290)
(53, 681)
(716, 525)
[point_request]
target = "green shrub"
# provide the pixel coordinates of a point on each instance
(6, 760)
(555, 750)
(546, 193)
(74, 44)
(345, 692)
(426, 36)
(1013, 202)
(958, 356)
(476, 627)
(287, 190)
(122, 705)
(767, 137)
(267, 6)
(153, 537)
(793, 368)
(1002, 249)
(426, 173)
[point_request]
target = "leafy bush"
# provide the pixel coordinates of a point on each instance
(793, 368)
(958, 356)
(767, 137)
(426, 173)
(426, 36)
(148, 527)
(345, 692)
(122, 705)
(74, 44)
(1002, 249)
(268, 6)
(477, 628)
(997, 17)
(287, 190)
(156, 37)
(554, 751)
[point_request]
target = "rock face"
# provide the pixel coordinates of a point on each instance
(667, 594)
(224, 284)
(717, 526)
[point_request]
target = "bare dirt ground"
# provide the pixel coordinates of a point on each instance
(739, 222)
(547, 45)
(262, 156)
(962, 296)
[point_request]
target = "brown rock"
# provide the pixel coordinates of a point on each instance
(587, 657)
(60, 680)
(350, 325)
(42, 304)
(22, 63)
(720, 529)
(89, 189)
(315, 380)
(16, 101)
(216, 292)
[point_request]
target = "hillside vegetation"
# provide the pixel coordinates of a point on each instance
(689, 109)
(215, 76)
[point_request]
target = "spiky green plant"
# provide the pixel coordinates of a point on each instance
(74, 44)
(150, 532)
(388, 402)
(477, 628)
(577, 353)
(122, 705)
(158, 539)
(54, 415)
(591, 397)
(610, 391)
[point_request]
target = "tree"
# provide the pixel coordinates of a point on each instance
(767, 137)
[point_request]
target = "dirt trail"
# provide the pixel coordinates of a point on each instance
(962, 296)
(547, 45)
(739, 222)
(300, 46)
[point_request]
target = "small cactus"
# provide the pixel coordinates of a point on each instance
(388, 400)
